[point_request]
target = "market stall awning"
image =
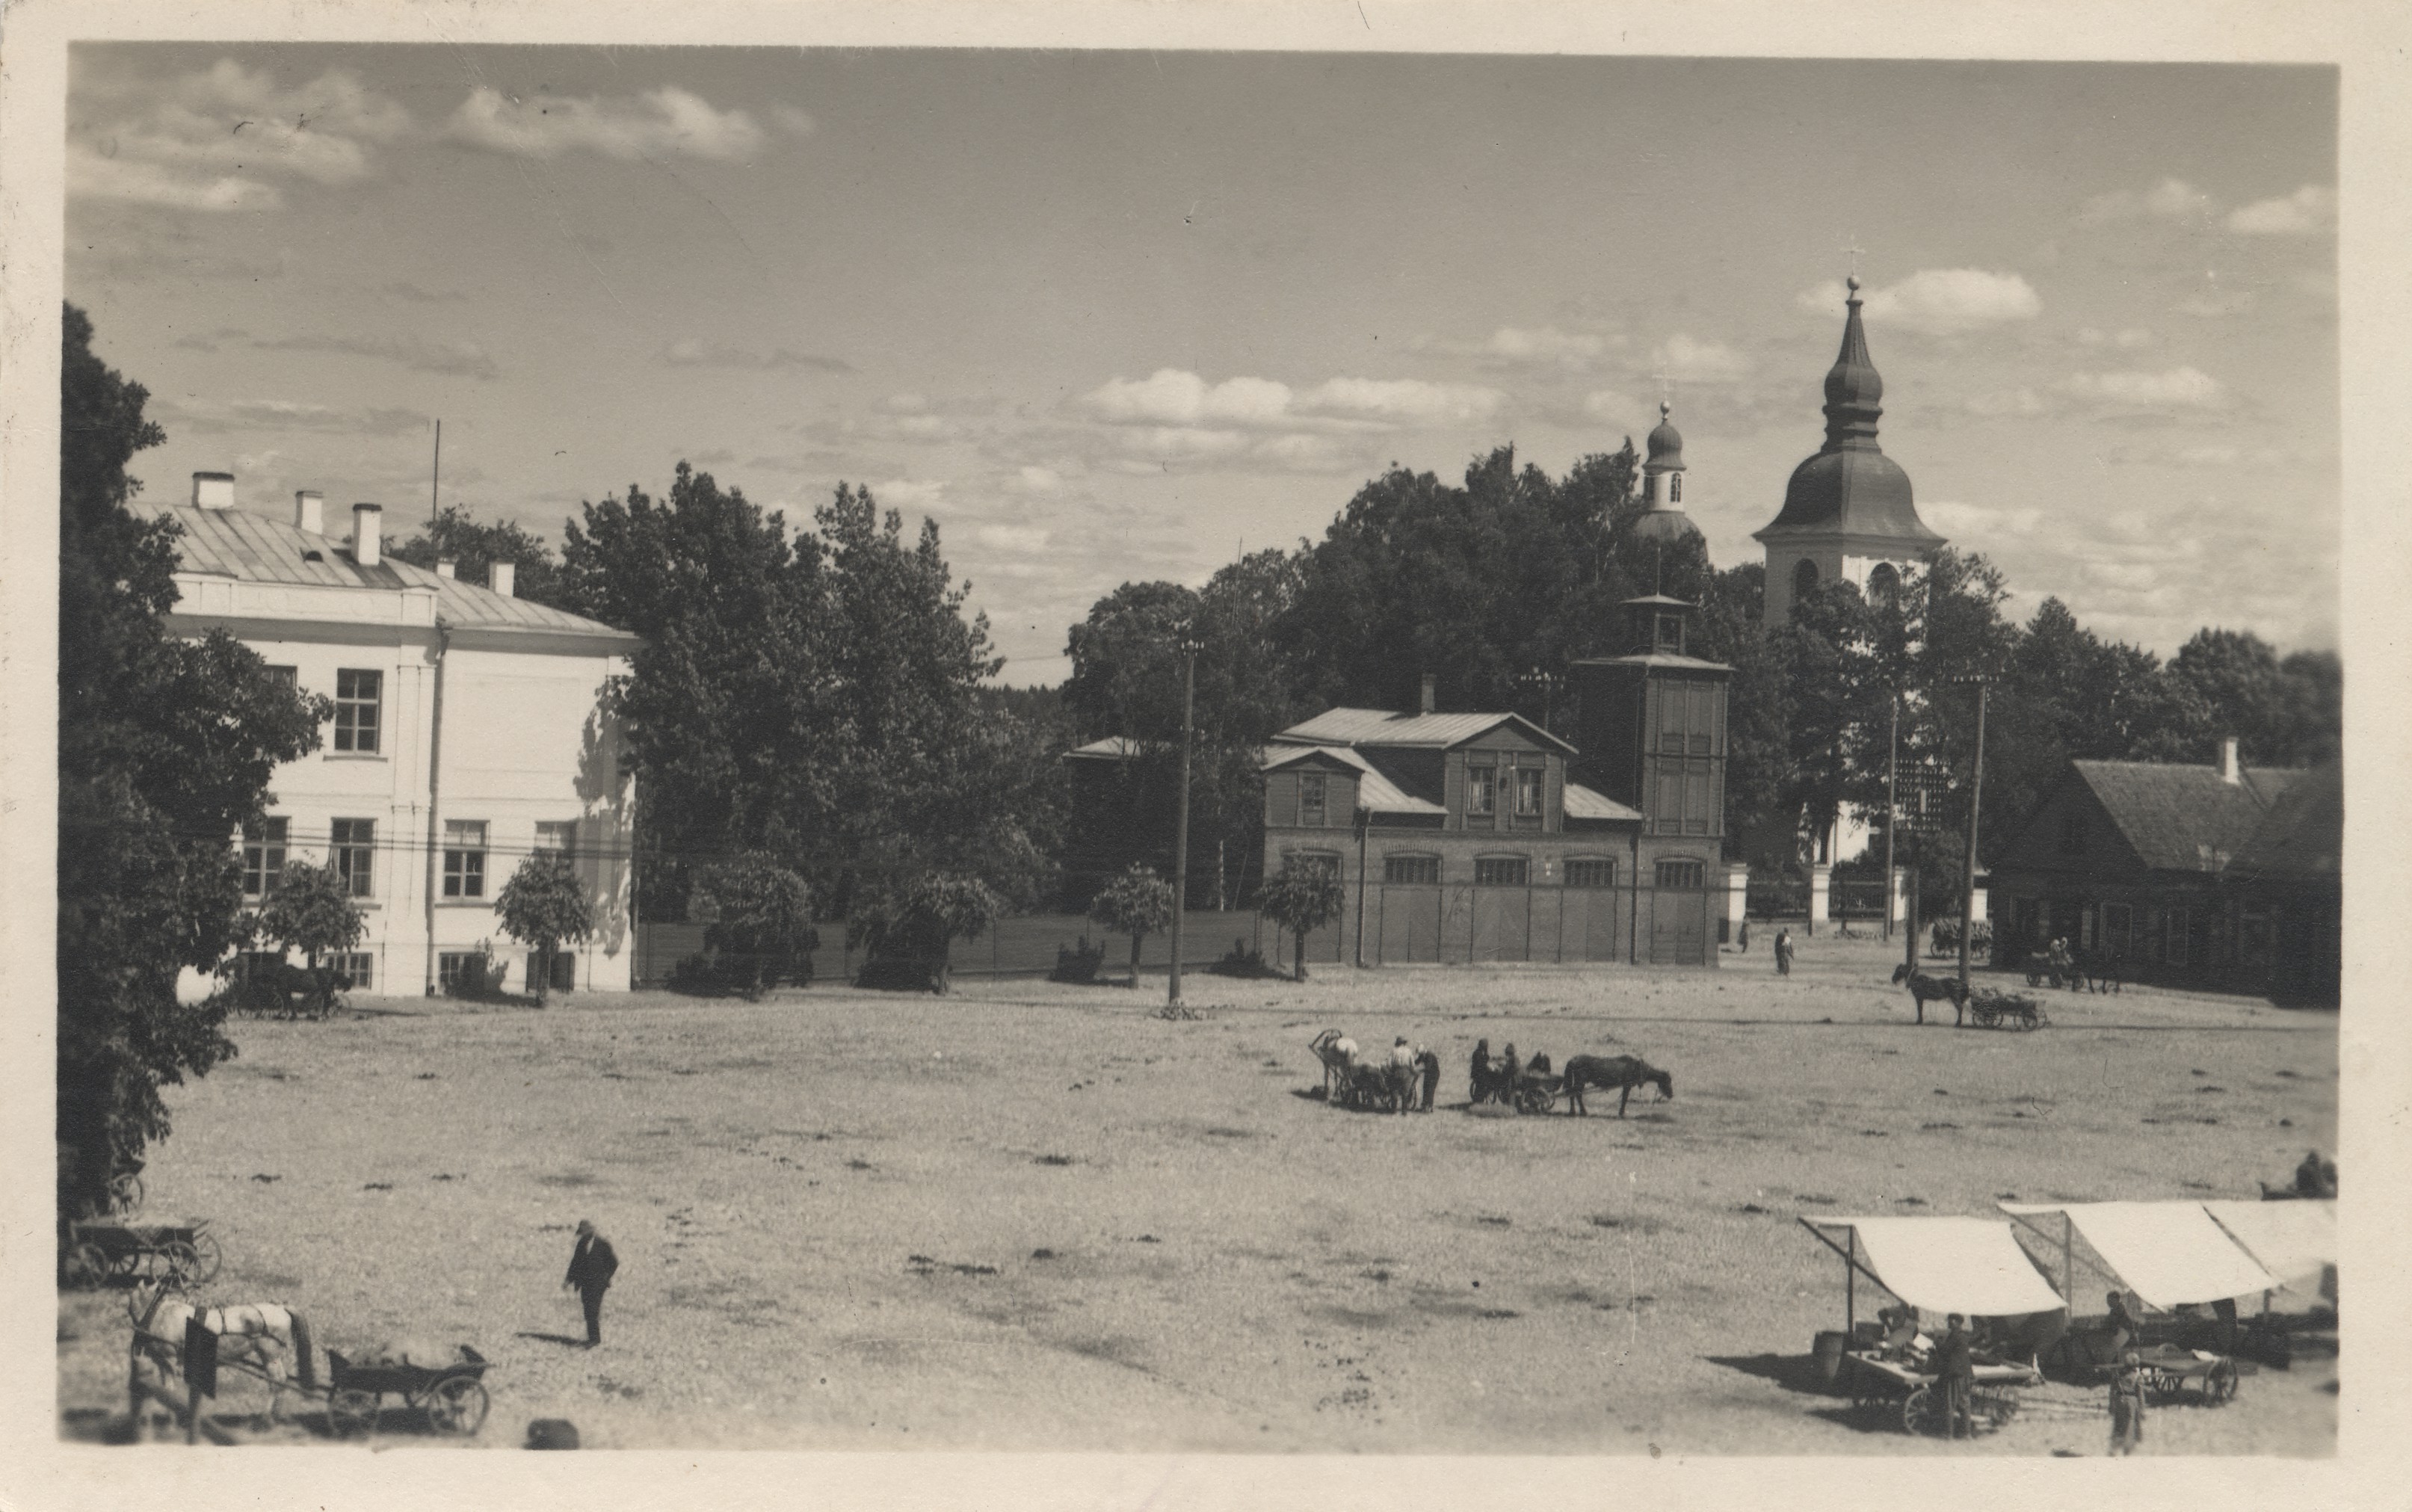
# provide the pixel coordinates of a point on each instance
(2295, 1241)
(1951, 1265)
(2166, 1253)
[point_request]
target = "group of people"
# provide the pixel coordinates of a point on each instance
(1496, 1080)
(1412, 1071)
(1954, 1357)
(1783, 948)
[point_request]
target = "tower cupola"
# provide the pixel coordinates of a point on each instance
(1662, 483)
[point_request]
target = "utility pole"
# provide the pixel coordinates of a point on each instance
(1188, 646)
(1975, 800)
(1892, 813)
(436, 483)
(1364, 824)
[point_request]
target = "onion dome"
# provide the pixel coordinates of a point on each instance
(1850, 486)
(1666, 444)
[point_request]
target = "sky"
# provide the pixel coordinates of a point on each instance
(1110, 317)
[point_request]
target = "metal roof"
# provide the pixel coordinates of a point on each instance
(1112, 748)
(1382, 726)
(249, 548)
(1850, 486)
(1375, 791)
(1587, 803)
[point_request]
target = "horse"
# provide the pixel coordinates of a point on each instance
(259, 1335)
(1618, 1073)
(1385, 1087)
(2104, 970)
(1924, 989)
(1338, 1053)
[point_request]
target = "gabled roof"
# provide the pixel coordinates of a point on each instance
(1382, 726)
(1587, 803)
(1375, 791)
(1112, 748)
(2303, 834)
(2180, 818)
(249, 548)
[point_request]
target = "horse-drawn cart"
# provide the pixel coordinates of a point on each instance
(1875, 1380)
(1989, 1010)
(452, 1395)
(101, 1251)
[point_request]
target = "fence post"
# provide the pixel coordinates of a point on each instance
(1821, 883)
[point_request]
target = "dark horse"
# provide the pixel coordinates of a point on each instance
(1924, 989)
(1617, 1072)
(2104, 970)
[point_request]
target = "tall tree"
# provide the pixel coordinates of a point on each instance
(165, 750)
(456, 534)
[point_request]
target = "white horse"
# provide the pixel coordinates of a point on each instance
(262, 1336)
(1338, 1053)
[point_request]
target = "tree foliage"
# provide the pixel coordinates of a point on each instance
(759, 914)
(545, 906)
(165, 749)
(1301, 900)
(311, 910)
(456, 534)
(1137, 903)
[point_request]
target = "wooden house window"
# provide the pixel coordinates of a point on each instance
(1528, 792)
(355, 846)
(1411, 870)
(1591, 872)
(1481, 791)
(357, 695)
(1310, 799)
(1502, 872)
(464, 858)
(1678, 874)
(263, 857)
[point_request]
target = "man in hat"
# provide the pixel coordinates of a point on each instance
(2127, 1404)
(592, 1265)
(1955, 1364)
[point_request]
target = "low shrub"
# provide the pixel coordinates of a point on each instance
(1079, 963)
(1944, 936)
(1246, 960)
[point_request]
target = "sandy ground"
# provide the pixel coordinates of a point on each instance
(1031, 1216)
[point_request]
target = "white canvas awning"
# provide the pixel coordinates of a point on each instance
(1951, 1265)
(2166, 1253)
(2295, 1241)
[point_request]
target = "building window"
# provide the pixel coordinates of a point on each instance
(1325, 861)
(2072, 833)
(1804, 579)
(556, 838)
(288, 678)
(1411, 870)
(462, 971)
(1528, 792)
(357, 694)
(1591, 872)
(1679, 873)
(1310, 799)
(1502, 872)
(1481, 789)
(1675, 488)
(561, 975)
(355, 846)
(464, 858)
(263, 857)
(358, 968)
(1884, 585)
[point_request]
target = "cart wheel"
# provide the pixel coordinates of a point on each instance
(181, 1263)
(207, 1256)
(350, 1412)
(457, 1404)
(1921, 1412)
(86, 1265)
(125, 1193)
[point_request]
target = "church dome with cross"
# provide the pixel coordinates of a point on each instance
(1848, 514)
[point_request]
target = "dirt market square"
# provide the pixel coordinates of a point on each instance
(1035, 1216)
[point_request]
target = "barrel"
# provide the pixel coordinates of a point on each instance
(1828, 1355)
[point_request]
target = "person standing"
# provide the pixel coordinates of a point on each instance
(592, 1265)
(1784, 952)
(2127, 1404)
(1742, 940)
(1955, 1364)
(1430, 1065)
(1478, 1073)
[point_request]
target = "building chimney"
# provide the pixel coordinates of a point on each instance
(447, 568)
(368, 533)
(310, 511)
(504, 578)
(2231, 771)
(214, 491)
(1431, 682)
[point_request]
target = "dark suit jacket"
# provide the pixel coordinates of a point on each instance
(592, 1265)
(1955, 1357)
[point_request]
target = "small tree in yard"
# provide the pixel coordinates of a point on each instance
(1137, 903)
(1300, 900)
(909, 927)
(760, 913)
(543, 905)
(311, 910)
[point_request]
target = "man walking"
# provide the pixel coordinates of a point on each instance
(591, 1268)
(1784, 952)
(2127, 1404)
(1955, 1364)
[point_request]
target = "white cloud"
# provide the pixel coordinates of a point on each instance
(2127, 341)
(1025, 539)
(2307, 211)
(1689, 360)
(216, 141)
(1172, 397)
(1972, 524)
(2212, 303)
(1938, 301)
(907, 493)
(1546, 344)
(1615, 407)
(691, 352)
(2172, 198)
(1404, 400)
(2179, 387)
(2021, 401)
(660, 122)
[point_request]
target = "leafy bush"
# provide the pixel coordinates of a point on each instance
(543, 905)
(1077, 964)
(1244, 959)
(475, 979)
(311, 910)
(758, 919)
(908, 928)
(1300, 900)
(1137, 903)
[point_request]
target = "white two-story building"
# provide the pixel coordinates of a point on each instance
(468, 732)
